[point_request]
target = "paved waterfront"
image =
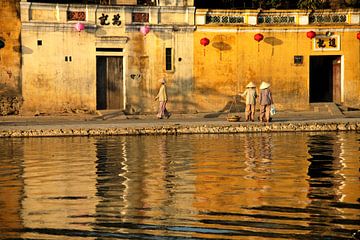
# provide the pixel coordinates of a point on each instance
(119, 124)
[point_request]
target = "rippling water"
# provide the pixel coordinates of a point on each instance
(244, 186)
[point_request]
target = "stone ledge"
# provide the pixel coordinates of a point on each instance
(185, 129)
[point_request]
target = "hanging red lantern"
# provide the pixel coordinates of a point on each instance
(311, 34)
(144, 30)
(258, 37)
(358, 36)
(204, 42)
(79, 27)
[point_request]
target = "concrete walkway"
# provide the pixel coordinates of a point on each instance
(120, 124)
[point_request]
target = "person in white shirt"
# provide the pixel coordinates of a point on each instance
(250, 96)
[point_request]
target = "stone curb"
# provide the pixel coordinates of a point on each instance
(186, 129)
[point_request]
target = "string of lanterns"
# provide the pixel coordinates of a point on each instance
(204, 41)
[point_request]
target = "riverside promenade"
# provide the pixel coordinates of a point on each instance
(116, 123)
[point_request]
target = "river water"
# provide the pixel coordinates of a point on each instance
(230, 186)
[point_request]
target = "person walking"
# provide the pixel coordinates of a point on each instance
(265, 100)
(163, 98)
(250, 96)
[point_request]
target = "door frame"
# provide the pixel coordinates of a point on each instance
(342, 68)
(124, 63)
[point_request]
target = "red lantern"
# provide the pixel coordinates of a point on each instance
(358, 36)
(311, 34)
(79, 27)
(144, 30)
(204, 42)
(258, 37)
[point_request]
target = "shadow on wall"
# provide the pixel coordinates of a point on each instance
(182, 91)
(273, 41)
(24, 49)
(182, 99)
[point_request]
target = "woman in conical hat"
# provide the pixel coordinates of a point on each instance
(162, 96)
(251, 95)
(264, 85)
(265, 100)
(250, 85)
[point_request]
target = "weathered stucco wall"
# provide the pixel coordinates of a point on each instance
(233, 58)
(147, 58)
(10, 57)
(51, 82)
(202, 78)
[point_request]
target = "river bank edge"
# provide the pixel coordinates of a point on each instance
(175, 128)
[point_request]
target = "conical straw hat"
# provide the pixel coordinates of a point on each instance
(264, 85)
(250, 85)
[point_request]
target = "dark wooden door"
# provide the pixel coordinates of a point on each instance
(336, 76)
(109, 82)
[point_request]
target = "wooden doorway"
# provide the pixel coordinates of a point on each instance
(336, 76)
(109, 83)
(325, 79)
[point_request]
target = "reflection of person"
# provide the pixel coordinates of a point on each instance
(266, 146)
(250, 95)
(163, 98)
(265, 100)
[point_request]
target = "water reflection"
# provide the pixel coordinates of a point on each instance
(245, 186)
(258, 155)
(11, 186)
(325, 182)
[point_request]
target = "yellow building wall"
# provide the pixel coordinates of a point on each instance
(147, 61)
(233, 58)
(10, 55)
(202, 78)
(51, 84)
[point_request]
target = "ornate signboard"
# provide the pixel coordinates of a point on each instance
(140, 17)
(326, 43)
(76, 16)
(106, 19)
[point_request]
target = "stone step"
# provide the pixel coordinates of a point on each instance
(329, 107)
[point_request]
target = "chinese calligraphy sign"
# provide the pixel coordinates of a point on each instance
(104, 20)
(325, 43)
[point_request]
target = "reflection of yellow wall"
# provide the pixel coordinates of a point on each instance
(348, 164)
(233, 58)
(52, 178)
(11, 189)
(227, 183)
